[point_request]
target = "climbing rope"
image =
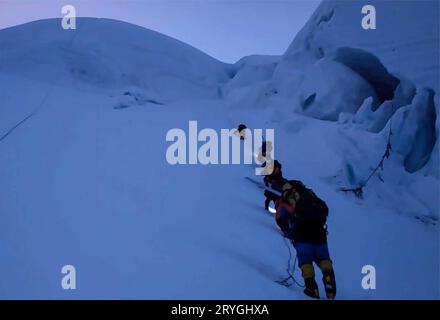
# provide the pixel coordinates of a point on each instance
(285, 282)
(43, 100)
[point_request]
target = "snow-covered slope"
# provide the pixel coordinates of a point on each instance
(84, 179)
(107, 54)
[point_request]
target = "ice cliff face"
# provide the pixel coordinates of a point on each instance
(334, 69)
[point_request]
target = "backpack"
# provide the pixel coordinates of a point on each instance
(309, 207)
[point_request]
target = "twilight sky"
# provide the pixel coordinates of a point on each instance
(225, 29)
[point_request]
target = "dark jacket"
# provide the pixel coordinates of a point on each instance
(275, 180)
(304, 222)
(307, 231)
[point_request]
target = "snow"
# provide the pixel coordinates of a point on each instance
(329, 88)
(405, 41)
(109, 55)
(415, 131)
(85, 180)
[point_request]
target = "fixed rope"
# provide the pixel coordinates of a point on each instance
(42, 102)
(285, 282)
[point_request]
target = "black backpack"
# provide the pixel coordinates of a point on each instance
(309, 207)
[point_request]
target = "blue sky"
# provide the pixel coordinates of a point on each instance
(225, 29)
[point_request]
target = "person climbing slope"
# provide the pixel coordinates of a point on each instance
(302, 217)
(274, 180)
(273, 177)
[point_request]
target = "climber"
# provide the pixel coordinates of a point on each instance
(302, 216)
(275, 181)
(241, 130)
